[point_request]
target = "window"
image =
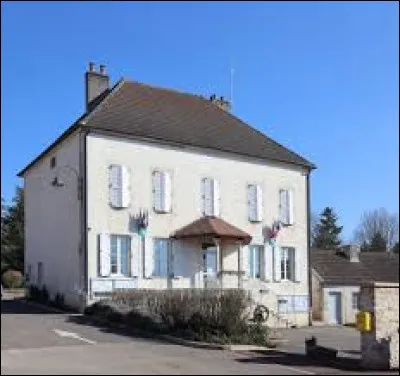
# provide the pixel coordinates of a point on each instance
(286, 211)
(160, 257)
(355, 301)
(210, 197)
(162, 192)
(119, 254)
(53, 162)
(119, 186)
(287, 263)
(254, 201)
(255, 261)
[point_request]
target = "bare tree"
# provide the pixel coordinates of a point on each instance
(378, 221)
(313, 227)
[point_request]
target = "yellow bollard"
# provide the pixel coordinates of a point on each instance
(364, 321)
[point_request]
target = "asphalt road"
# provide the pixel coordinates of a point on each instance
(38, 341)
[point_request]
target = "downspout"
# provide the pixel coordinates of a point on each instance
(309, 249)
(85, 220)
(83, 216)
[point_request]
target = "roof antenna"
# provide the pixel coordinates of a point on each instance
(231, 84)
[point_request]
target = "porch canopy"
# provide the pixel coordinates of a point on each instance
(212, 227)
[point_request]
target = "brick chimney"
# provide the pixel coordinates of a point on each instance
(95, 83)
(220, 102)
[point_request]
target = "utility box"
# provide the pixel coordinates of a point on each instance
(364, 321)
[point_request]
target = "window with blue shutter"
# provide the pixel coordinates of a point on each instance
(210, 196)
(286, 208)
(162, 191)
(160, 257)
(254, 197)
(287, 261)
(255, 261)
(119, 186)
(120, 255)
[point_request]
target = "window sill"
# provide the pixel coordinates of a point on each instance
(120, 276)
(288, 281)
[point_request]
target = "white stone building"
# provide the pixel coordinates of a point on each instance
(209, 183)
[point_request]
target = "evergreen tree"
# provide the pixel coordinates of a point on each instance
(327, 231)
(378, 243)
(395, 248)
(12, 233)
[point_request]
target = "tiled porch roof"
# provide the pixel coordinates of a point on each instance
(212, 227)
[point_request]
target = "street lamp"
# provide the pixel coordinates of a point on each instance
(57, 181)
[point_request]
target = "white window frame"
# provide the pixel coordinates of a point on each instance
(355, 298)
(119, 273)
(288, 254)
(253, 274)
(288, 216)
(165, 195)
(257, 216)
(215, 197)
(157, 270)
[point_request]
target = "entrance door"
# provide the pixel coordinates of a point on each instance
(210, 267)
(335, 308)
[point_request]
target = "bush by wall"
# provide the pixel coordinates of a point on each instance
(206, 315)
(40, 294)
(12, 279)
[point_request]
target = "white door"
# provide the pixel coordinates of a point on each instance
(335, 308)
(210, 267)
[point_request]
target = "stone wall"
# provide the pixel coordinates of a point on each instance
(380, 347)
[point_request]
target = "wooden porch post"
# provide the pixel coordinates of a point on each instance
(219, 259)
(240, 281)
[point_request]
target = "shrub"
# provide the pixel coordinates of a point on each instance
(210, 315)
(34, 292)
(59, 301)
(12, 279)
(44, 294)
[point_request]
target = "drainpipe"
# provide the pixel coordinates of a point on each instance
(309, 249)
(84, 204)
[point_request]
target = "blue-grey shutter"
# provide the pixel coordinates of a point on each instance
(268, 262)
(207, 196)
(299, 266)
(115, 185)
(215, 198)
(283, 206)
(251, 201)
(166, 192)
(125, 187)
(251, 261)
(290, 206)
(105, 255)
(148, 256)
(157, 191)
(135, 255)
(277, 263)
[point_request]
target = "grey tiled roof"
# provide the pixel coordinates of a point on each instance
(373, 266)
(140, 110)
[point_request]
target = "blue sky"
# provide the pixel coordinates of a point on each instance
(321, 78)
